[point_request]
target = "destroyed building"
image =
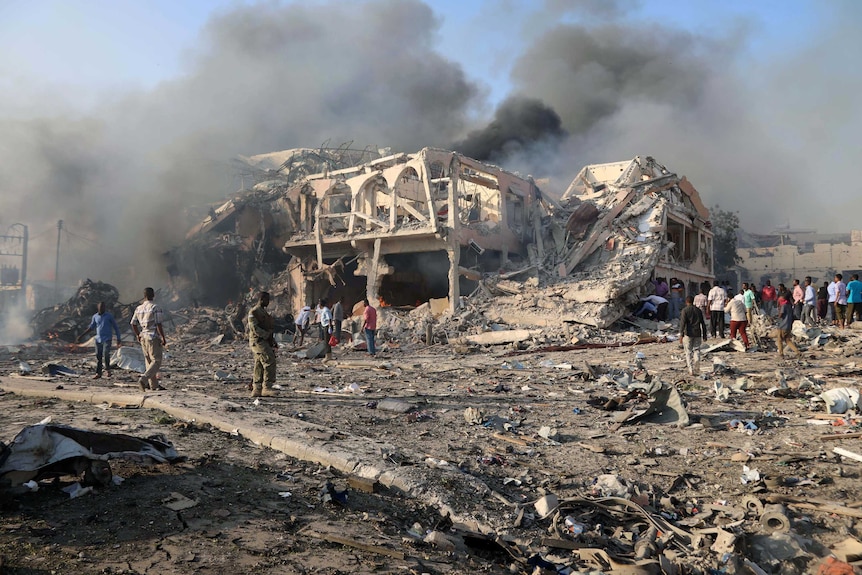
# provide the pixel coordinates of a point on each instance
(404, 229)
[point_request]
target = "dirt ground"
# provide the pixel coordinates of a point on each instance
(243, 521)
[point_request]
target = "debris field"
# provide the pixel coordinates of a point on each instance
(533, 455)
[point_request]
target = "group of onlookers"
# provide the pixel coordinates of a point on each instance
(834, 303)
(837, 303)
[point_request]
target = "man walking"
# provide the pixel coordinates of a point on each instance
(809, 304)
(105, 325)
(147, 325)
(301, 325)
(262, 341)
(701, 302)
(692, 329)
(854, 299)
(677, 293)
(832, 290)
(736, 308)
(369, 326)
(717, 298)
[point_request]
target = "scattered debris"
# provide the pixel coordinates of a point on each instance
(44, 450)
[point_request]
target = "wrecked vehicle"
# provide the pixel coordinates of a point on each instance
(43, 450)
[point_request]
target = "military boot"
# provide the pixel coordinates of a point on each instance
(256, 390)
(269, 392)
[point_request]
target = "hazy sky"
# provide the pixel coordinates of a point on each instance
(114, 115)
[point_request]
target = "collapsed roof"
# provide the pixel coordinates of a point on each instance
(619, 225)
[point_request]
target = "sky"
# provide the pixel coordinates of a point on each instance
(115, 116)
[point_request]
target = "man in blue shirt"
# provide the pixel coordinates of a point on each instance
(105, 325)
(854, 299)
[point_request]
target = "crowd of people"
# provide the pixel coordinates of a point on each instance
(835, 303)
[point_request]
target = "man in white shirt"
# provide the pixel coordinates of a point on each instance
(301, 325)
(832, 290)
(717, 298)
(809, 303)
(840, 301)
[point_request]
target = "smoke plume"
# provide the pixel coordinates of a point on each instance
(595, 81)
(519, 124)
(263, 78)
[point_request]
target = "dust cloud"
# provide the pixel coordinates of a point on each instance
(751, 133)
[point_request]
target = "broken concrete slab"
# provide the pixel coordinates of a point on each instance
(501, 337)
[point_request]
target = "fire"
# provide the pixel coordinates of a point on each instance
(382, 302)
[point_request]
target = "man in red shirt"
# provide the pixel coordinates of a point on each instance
(369, 326)
(768, 299)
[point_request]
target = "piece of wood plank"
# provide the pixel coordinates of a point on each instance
(510, 439)
(346, 541)
(814, 504)
(589, 447)
(846, 453)
(833, 436)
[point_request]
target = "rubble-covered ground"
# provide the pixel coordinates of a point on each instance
(538, 427)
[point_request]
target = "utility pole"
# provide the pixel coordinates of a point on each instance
(24, 263)
(57, 266)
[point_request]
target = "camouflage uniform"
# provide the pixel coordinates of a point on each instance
(260, 338)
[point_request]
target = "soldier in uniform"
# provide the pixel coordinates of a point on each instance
(263, 346)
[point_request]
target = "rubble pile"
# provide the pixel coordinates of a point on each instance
(591, 458)
(606, 239)
(68, 320)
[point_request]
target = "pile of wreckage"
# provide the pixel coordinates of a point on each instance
(414, 230)
(412, 233)
(68, 320)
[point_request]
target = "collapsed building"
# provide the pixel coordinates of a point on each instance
(403, 229)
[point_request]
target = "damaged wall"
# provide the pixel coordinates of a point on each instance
(406, 228)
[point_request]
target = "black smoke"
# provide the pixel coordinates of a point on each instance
(519, 124)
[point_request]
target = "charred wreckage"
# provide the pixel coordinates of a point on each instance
(404, 229)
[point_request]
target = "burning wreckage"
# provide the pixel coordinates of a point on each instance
(404, 229)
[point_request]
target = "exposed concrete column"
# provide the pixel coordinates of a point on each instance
(372, 284)
(454, 253)
(453, 248)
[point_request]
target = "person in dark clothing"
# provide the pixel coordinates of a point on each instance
(784, 335)
(823, 301)
(692, 330)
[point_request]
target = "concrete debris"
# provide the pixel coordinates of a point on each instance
(841, 400)
(569, 467)
(421, 231)
(68, 320)
(501, 337)
(505, 395)
(664, 404)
